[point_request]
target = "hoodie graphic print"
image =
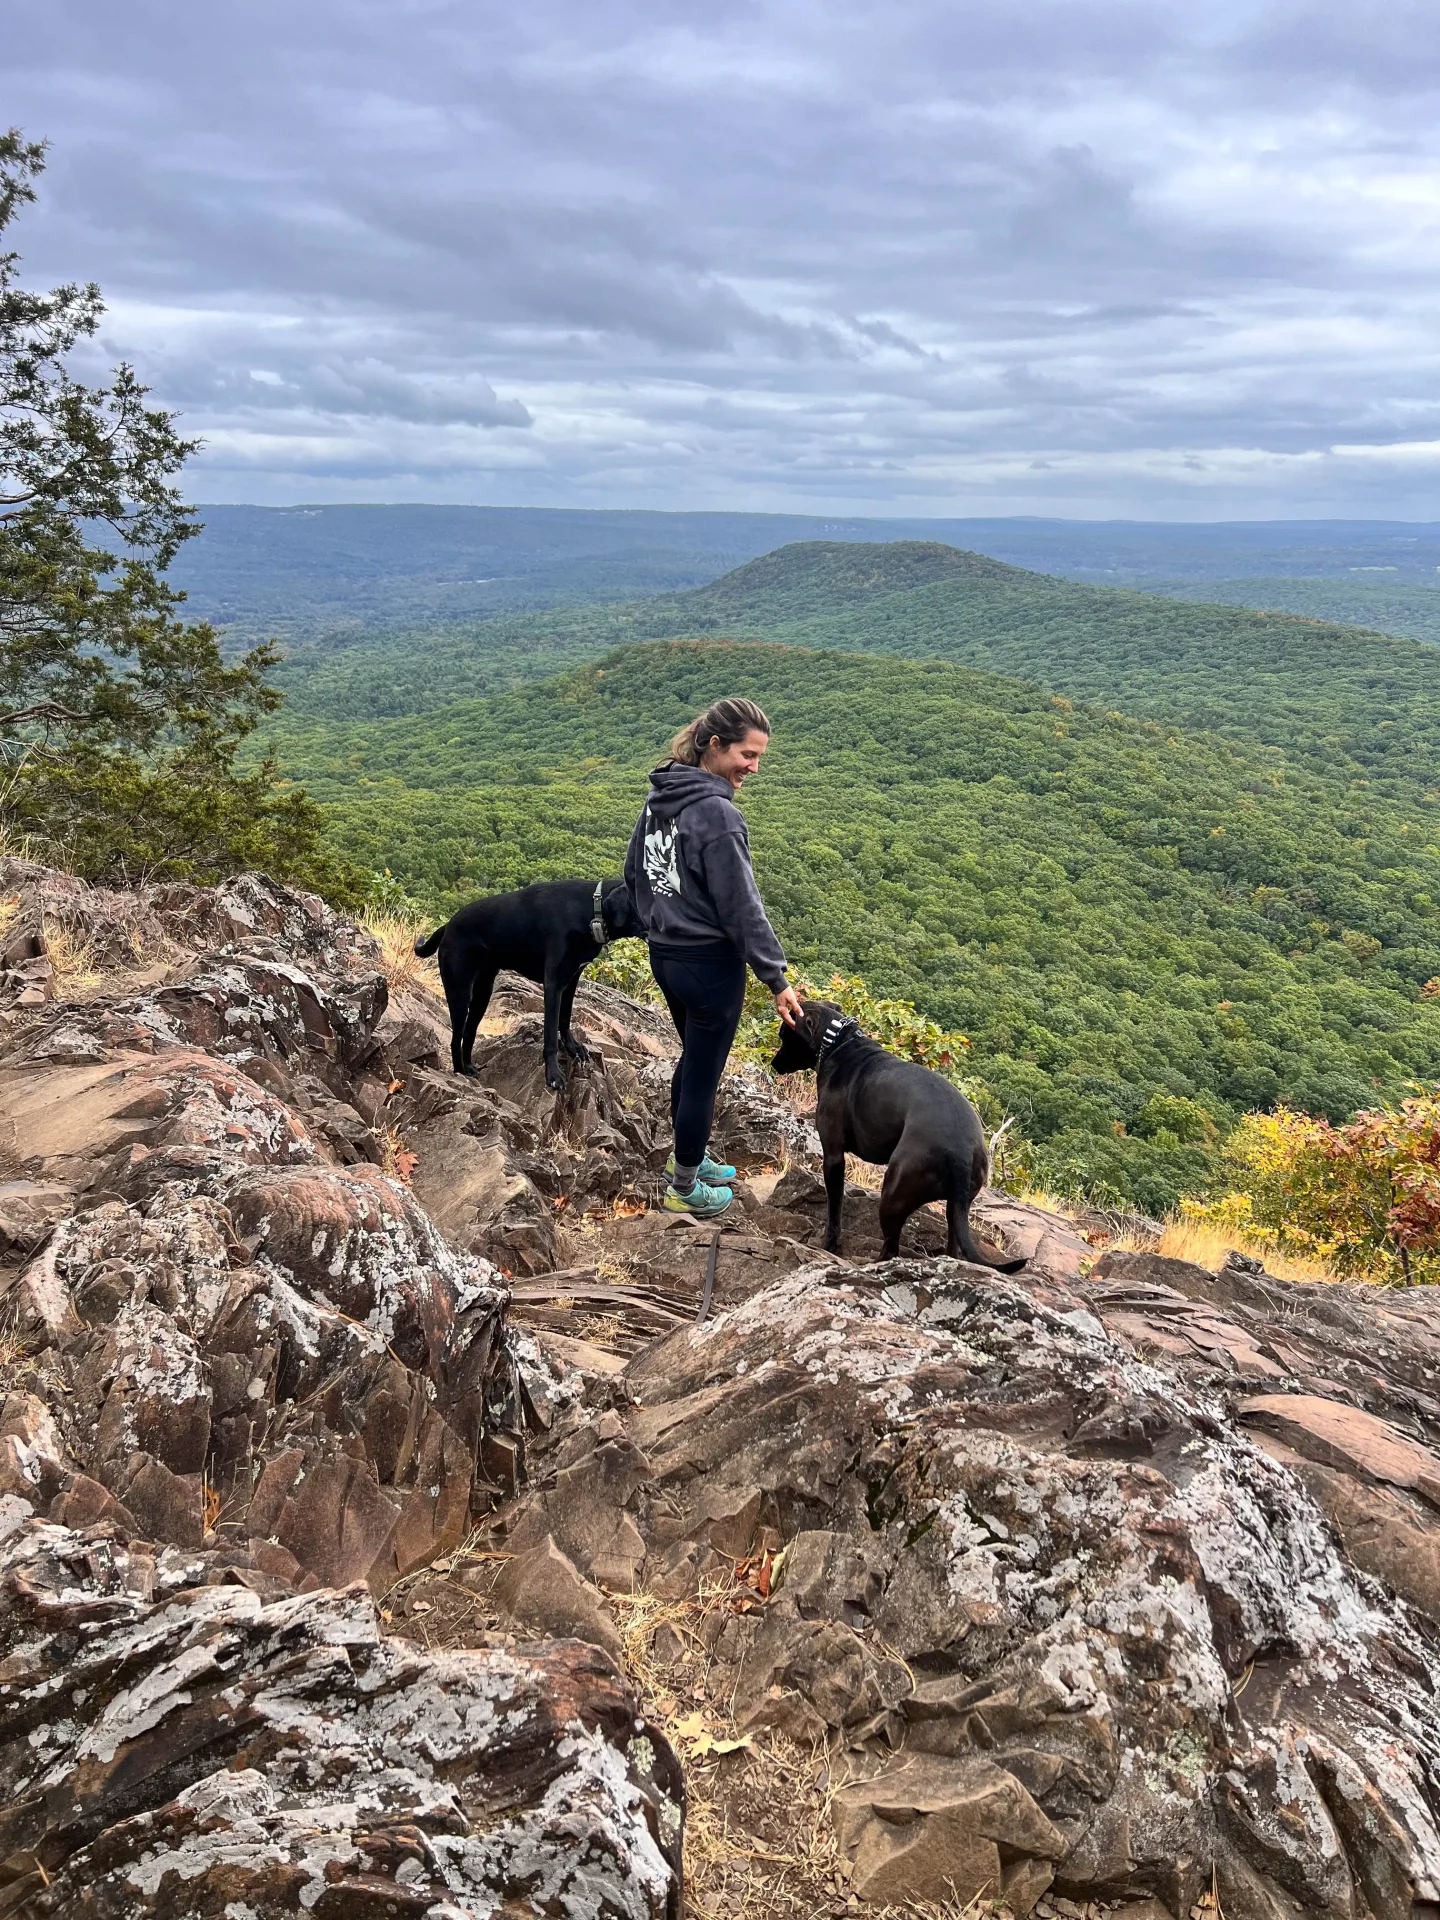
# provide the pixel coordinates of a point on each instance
(688, 870)
(662, 865)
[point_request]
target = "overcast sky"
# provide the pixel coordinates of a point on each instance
(1096, 257)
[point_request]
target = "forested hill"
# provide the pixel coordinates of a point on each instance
(1343, 698)
(1144, 932)
(815, 578)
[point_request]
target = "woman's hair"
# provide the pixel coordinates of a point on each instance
(727, 721)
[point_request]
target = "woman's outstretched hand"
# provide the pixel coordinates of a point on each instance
(787, 1005)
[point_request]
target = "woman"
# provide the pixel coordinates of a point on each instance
(688, 870)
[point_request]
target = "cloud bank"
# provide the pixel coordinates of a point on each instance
(1096, 257)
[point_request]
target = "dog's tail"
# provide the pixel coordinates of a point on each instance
(970, 1246)
(425, 947)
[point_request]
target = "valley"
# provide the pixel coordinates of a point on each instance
(1144, 929)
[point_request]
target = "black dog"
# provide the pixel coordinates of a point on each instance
(549, 932)
(896, 1115)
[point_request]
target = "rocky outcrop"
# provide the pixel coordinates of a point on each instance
(1113, 1582)
(235, 1334)
(1071, 1622)
(177, 1739)
(249, 1385)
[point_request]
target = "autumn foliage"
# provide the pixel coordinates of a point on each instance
(1364, 1196)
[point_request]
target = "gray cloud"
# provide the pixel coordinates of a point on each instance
(1086, 256)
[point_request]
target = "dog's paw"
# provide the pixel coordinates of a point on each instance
(578, 1052)
(467, 1072)
(555, 1080)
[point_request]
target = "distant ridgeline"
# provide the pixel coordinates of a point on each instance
(1193, 870)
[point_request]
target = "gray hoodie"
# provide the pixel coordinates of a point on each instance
(688, 870)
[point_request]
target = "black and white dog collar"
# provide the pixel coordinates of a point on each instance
(840, 1028)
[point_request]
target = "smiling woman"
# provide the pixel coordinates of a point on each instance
(688, 870)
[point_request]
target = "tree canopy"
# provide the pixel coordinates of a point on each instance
(1143, 931)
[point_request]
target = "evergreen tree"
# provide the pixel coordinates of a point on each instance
(120, 722)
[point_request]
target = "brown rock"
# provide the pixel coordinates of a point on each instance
(32, 1453)
(338, 1521)
(543, 1588)
(29, 1211)
(1148, 1909)
(927, 1829)
(166, 1505)
(1021, 1531)
(1078, 1557)
(1385, 1534)
(1335, 1435)
(584, 1513)
(845, 1679)
(85, 1503)
(1047, 1241)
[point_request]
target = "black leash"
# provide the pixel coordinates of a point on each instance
(709, 1277)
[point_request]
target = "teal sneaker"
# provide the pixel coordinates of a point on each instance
(701, 1203)
(710, 1171)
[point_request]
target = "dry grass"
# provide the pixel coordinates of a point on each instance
(403, 967)
(604, 1330)
(1046, 1202)
(1197, 1241)
(397, 1157)
(792, 1873)
(13, 1347)
(860, 1173)
(72, 957)
(18, 846)
(759, 1841)
(1207, 1246)
(399, 962)
(797, 1091)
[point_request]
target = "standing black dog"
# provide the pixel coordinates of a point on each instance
(549, 932)
(896, 1115)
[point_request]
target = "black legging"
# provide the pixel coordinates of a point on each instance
(704, 988)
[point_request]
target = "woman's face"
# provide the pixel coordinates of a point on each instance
(737, 763)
